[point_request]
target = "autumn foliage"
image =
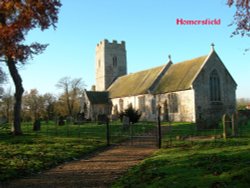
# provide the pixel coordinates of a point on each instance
(17, 17)
(241, 16)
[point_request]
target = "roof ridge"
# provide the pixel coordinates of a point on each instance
(142, 71)
(198, 72)
(96, 91)
(190, 59)
(179, 75)
(162, 72)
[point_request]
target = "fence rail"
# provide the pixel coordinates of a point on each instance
(189, 134)
(170, 132)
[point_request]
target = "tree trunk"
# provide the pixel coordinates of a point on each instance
(68, 103)
(18, 96)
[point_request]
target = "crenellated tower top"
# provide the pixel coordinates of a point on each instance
(114, 44)
(111, 63)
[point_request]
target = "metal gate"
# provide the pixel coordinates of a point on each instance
(141, 134)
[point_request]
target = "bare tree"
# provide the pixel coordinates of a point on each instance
(6, 104)
(72, 89)
(242, 103)
(33, 104)
(49, 102)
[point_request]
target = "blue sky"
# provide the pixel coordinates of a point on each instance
(151, 34)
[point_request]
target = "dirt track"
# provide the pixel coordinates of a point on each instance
(99, 170)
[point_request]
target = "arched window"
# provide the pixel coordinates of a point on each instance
(141, 103)
(153, 106)
(115, 110)
(114, 61)
(173, 102)
(215, 92)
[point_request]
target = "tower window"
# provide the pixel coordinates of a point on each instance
(114, 61)
(215, 94)
(99, 63)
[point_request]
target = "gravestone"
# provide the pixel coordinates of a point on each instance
(226, 121)
(37, 125)
(125, 123)
(61, 121)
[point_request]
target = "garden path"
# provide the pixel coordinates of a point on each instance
(98, 170)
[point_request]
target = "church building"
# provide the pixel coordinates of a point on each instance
(196, 90)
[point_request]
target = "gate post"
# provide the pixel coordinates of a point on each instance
(159, 126)
(107, 132)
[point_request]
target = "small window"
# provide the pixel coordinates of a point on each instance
(114, 61)
(165, 110)
(121, 105)
(99, 63)
(215, 93)
(115, 110)
(153, 106)
(173, 102)
(141, 103)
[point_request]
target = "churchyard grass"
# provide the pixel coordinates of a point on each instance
(52, 145)
(203, 163)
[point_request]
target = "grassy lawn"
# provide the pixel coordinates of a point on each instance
(37, 151)
(214, 163)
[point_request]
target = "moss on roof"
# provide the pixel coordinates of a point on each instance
(98, 97)
(134, 84)
(180, 76)
(177, 78)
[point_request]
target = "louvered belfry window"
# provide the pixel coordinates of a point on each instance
(114, 61)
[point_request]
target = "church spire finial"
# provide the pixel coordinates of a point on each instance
(212, 46)
(169, 57)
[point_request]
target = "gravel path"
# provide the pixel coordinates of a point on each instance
(98, 170)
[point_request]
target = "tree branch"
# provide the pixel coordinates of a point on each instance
(1, 60)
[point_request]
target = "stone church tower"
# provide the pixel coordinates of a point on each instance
(111, 63)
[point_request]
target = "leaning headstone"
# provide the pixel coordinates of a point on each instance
(125, 123)
(226, 121)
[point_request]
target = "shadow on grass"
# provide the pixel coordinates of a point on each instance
(216, 163)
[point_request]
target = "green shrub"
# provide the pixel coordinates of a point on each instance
(131, 113)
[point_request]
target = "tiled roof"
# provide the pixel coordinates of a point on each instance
(134, 84)
(180, 75)
(98, 97)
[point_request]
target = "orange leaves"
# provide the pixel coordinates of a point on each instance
(241, 17)
(17, 17)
